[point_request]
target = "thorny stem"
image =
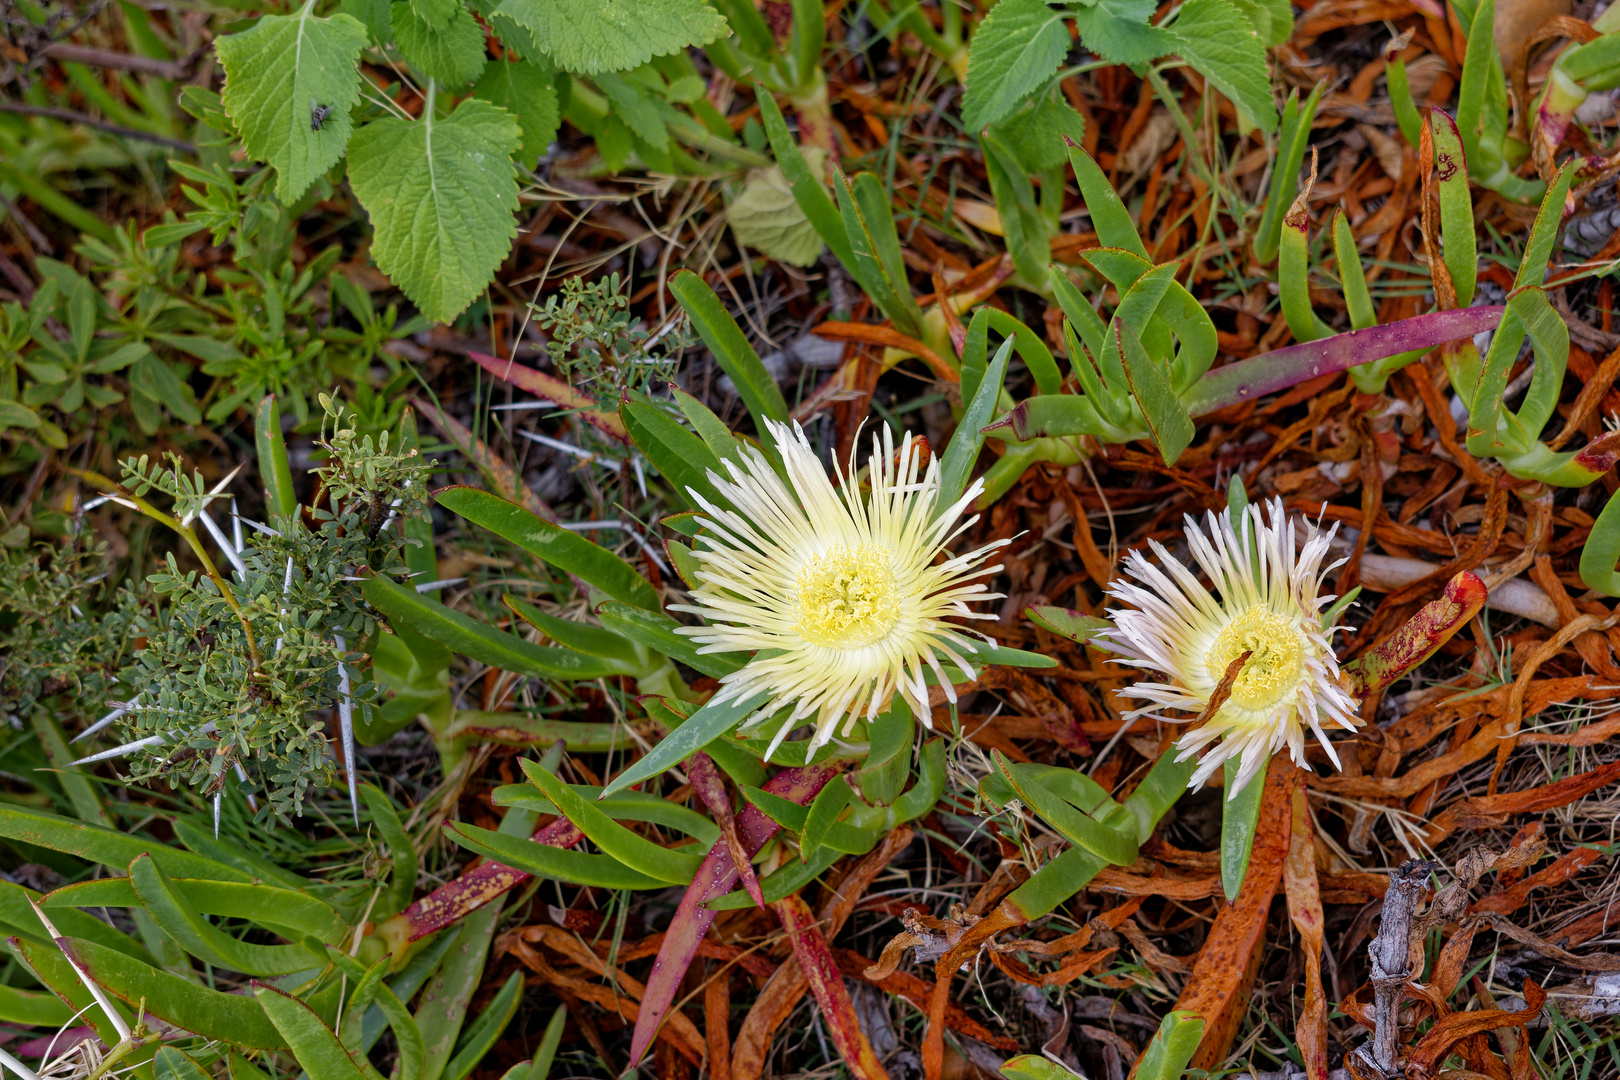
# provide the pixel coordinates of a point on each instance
(112, 488)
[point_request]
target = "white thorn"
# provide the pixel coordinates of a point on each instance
(435, 586)
(95, 991)
(128, 707)
(22, 1071)
(570, 448)
(219, 797)
(641, 474)
(236, 527)
(95, 502)
(346, 728)
(241, 774)
(224, 544)
(250, 523)
(120, 751)
(623, 526)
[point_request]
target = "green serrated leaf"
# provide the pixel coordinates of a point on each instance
(1273, 20)
(275, 72)
(1015, 51)
(1035, 132)
(452, 52)
(374, 15)
(1221, 43)
(441, 194)
(591, 36)
(528, 93)
(1119, 31)
(637, 107)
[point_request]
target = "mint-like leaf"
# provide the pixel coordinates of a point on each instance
(590, 36)
(374, 15)
(435, 12)
(1273, 19)
(1035, 132)
(274, 73)
(634, 104)
(452, 53)
(1220, 42)
(528, 93)
(1014, 53)
(1119, 31)
(441, 194)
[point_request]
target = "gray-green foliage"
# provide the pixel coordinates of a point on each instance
(237, 666)
(1018, 48)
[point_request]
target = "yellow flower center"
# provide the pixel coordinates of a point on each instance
(1273, 669)
(845, 597)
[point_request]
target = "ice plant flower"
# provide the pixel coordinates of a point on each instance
(842, 597)
(1266, 602)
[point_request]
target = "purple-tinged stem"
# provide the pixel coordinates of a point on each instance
(557, 392)
(1249, 380)
(827, 984)
(715, 877)
(709, 787)
(466, 894)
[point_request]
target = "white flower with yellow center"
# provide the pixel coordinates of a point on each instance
(1266, 602)
(844, 598)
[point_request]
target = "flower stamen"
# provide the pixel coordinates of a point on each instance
(845, 597)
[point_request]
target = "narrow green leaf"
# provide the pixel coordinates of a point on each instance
(32, 1008)
(485, 644)
(1239, 815)
(730, 347)
(170, 909)
(1108, 844)
(109, 847)
(402, 877)
(1166, 416)
(270, 907)
(1172, 1047)
(656, 631)
(636, 852)
(479, 1038)
(566, 550)
(809, 189)
(962, 452)
(678, 455)
(274, 466)
(231, 1017)
(543, 861)
(704, 726)
(313, 1043)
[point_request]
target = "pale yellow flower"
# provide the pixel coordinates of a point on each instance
(1266, 601)
(842, 597)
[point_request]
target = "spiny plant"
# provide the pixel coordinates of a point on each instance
(234, 665)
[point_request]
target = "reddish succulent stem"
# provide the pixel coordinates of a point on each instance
(715, 877)
(1249, 380)
(555, 391)
(1420, 637)
(827, 984)
(466, 894)
(706, 782)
